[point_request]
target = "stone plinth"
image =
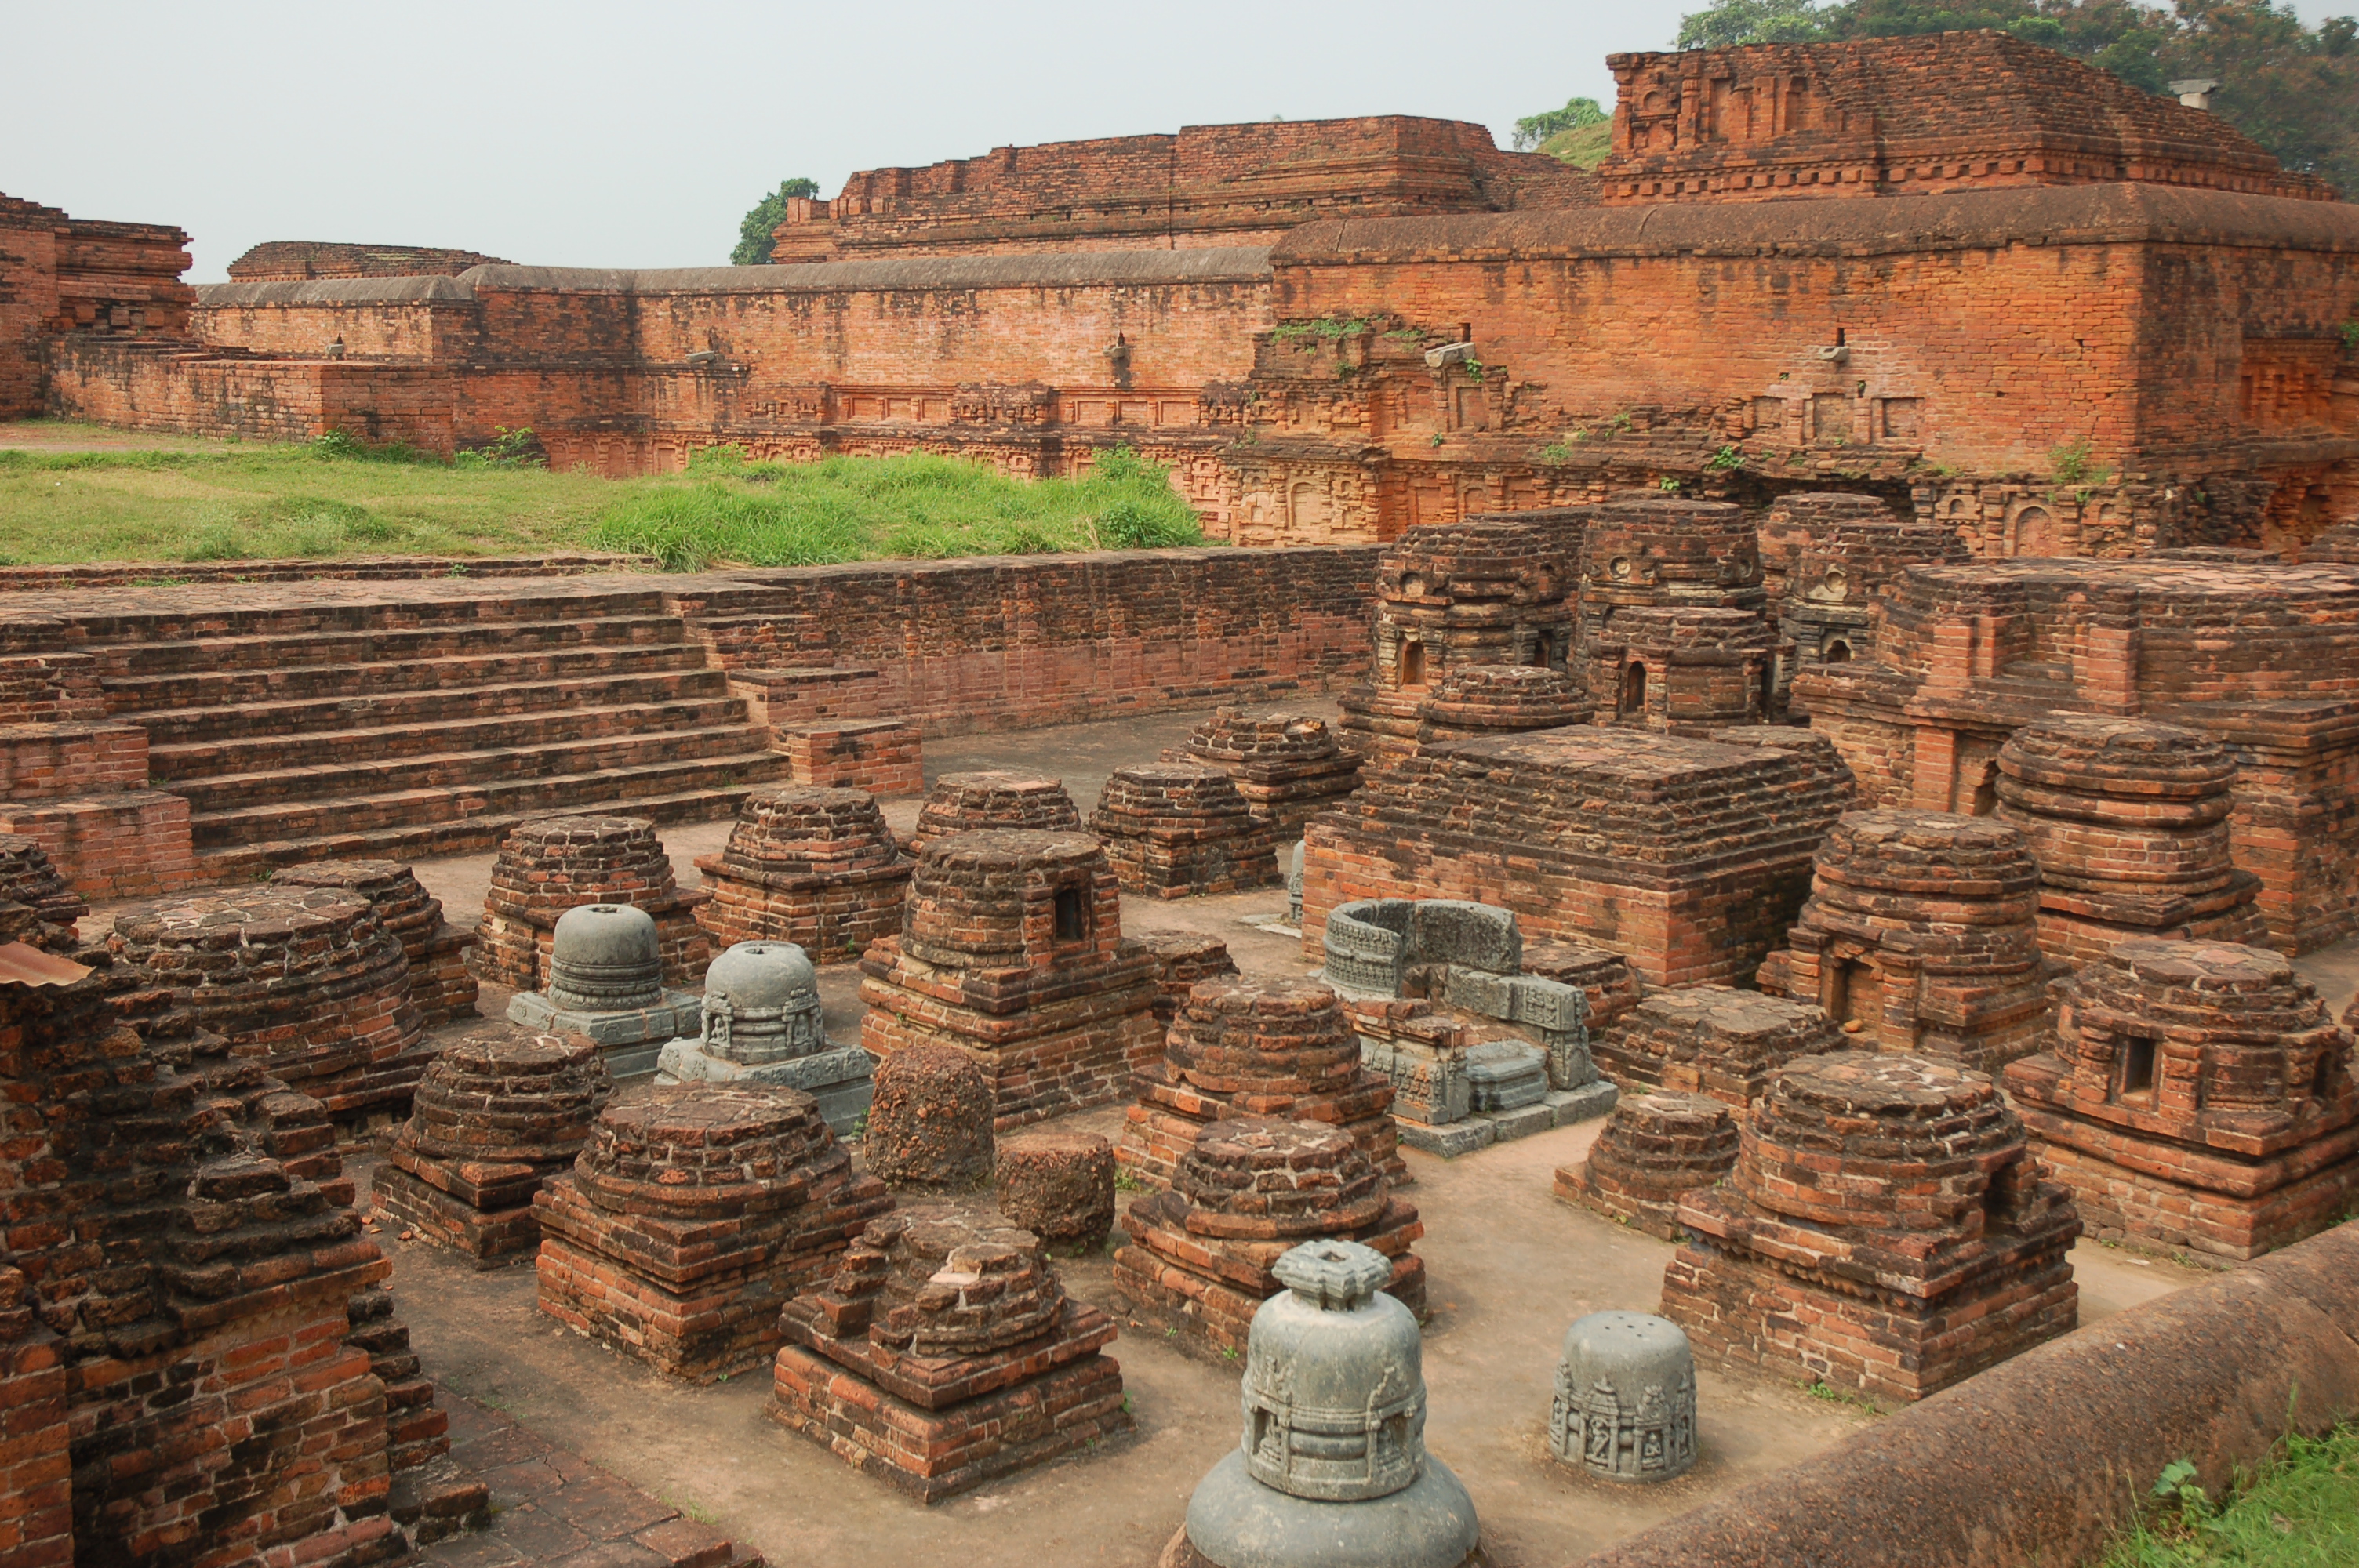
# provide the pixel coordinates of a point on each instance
(970, 803)
(1178, 829)
(1672, 665)
(2199, 1096)
(497, 1115)
(2130, 822)
(556, 863)
(930, 1126)
(1886, 1230)
(1841, 574)
(605, 981)
(1604, 979)
(1199, 1254)
(1625, 1399)
(1501, 699)
(1687, 856)
(1713, 1041)
(1289, 766)
(306, 982)
(1920, 936)
(1801, 520)
(815, 867)
(1654, 1148)
(1182, 959)
(28, 878)
(1281, 1049)
(440, 985)
(760, 1022)
(944, 1352)
(689, 1218)
(1011, 949)
(1059, 1186)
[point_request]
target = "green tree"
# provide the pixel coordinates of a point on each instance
(754, 233)
(1534, 129)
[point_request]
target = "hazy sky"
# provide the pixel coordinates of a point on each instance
(595, 133)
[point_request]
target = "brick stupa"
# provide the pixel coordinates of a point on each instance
(1011, 949)
(1199, 1254)
(1801, 520)
(1840, 575)
(1283, 1049)
(1714, 1041)
(970, 802)
(440, 986)
(944, 1352)
(1661, 552)
(1289, 766)
(2198, 1095)
(1500, 699)
(689, 1218)
(815, 867)
(1920, 936)
(2130, 822)
(1886, 1230)
(1654, 1150)
(553, 864)
(1665, 665)
(1181, 829)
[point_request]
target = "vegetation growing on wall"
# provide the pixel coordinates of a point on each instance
(754, 233)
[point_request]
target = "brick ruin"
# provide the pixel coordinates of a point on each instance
(28, 879)
(1827, 559)
(816, 867)
(2197, 1095)
(440, 985)
(1654, 1148)
(1921, 935)
(1940, 1253)
(561, 863)
(1011, 949)
(942, 1353)
(296, 261)
(967, 802)
(1289, 766)
(1673, 615)
(1181, 829)
(1500, 699)
(1712, 1041)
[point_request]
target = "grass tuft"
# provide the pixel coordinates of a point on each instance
(2301, 1510)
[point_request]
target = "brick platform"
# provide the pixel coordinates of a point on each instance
(966, 803)
(1652, 1149)
(884, 756)
(1289, 766)
(2198, 1095)
(945, 1353)
(440, 985)
(1712, 1041)
(815, 867)
(1182, 829)
(690, 1217)
(1885, 1230)
(549, 866)
(1011, 949)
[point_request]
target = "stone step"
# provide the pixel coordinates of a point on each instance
(381, 607)
(132, 696)
(412, 824)
(174, 766)
(239, 722)
(487, 767)
(378, 644)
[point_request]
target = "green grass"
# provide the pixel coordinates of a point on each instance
(1584, 147)
(332, 497)
(2299, 1510)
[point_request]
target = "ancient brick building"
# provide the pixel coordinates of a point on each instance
(74, 275)
(1672, 623)
(2197, 1095)
(1826, 561)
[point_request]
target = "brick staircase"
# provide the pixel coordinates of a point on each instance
(428, 726)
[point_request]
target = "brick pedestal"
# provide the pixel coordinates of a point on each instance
(440, 986)
(1180, 830)
(816, 867)
(972, 802)
(884, 756)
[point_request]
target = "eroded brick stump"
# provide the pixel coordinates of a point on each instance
(1886, 1229)
(1501, 699)
(497, 1115)
(440, 985)
(557, 863)
(689, 1218)
(1199, 1256)
(944, 1352)
(1182, 958)
(815, 867)
(1059, 1186)
(1652, 1149)
(1283, 1049)
(28, 878)
(2130, 822)
(1712, 1041)
(988, 798)
(306, 981)
(1011, 949)
(929, 1125)
(1289, 766)
(1179, 829)
(2197, 1095)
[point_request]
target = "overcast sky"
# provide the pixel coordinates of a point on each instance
(594, 134)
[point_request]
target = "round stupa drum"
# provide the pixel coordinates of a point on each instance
(604, 958)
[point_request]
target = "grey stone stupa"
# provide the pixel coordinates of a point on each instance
(762, 1025)
(1334, 1471)
(1625, 1397)
(606, 980)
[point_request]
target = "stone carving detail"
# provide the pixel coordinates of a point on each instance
(1625, 1399)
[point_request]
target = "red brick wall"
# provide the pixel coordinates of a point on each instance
(29, 300)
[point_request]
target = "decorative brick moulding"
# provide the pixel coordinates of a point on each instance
(497, 1115)
(440, 985)
(1238, 1048)
(1712, 1041)
(2198, 1097)
(1289, 766)
(1886, 1229)
(1665, 553)
(884, 756)
(1651, 1150)
(305, 981)
(1011, 949)
(555, 863)
(1179, 829)
(2129, 820)
(967, 802)
(815, 867)
(1199, 1254)
(1500, 699)
(1687, 856)
(689, 1218)
(1920, 936)
(943, 1353)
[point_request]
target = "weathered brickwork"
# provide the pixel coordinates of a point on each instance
(1841, 555)
(275, 261)
(558, 863)
(2198, 1097)
(1289, 766)
(1180, 830)
(968, 803)
(1653, 1149)
(816, 867)
(884, 756)
(440, 986)
(1712, 1041)
(1473, 700)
